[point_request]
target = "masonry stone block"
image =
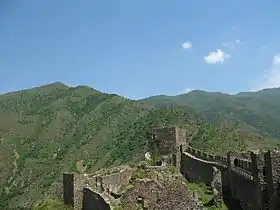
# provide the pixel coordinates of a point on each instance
(68, 189)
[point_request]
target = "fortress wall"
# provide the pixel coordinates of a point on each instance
(68, 189)
(275, 156)
(240, 155)
(206, 156)
(196, 170)
(92, 200)
(79, 181)
(197, 153)
(221, 159)
(243, 189)
(244, 164)
(114, 181)
(73, 189)
(239, 174)
(166, 140)
(77, 194)
(181, 138)
(237, 183)
(225, 183)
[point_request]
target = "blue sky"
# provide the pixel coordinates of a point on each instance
(140, 48)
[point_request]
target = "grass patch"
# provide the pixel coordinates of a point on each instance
(205, 195)
(51, 205)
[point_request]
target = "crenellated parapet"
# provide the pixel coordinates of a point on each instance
(207, 156)
(243, 164)
(252, 179)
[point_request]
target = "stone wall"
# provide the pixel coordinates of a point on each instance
(79, 181)
(181, 138)
(92, 200)
(276, 165)
(76, 185)
(206, 156)
(169, 142)
(243, 189)
(114, 181)
(241, 179)
(170, 139)
(244, 164)
(242, 176)
(196, 170)
(68, 189)
(166, 140)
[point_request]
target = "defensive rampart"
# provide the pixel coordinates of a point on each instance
(82, 190)
(245, 182)
(248, 181)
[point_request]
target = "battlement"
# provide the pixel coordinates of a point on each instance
(244, 164)
(207, 156)
(247, 179)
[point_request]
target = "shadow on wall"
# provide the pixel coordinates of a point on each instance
(93, 201)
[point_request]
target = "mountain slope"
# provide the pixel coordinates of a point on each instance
(257, 112)
(45, 131)
(54, 128)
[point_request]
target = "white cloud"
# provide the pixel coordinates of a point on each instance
(187, 45)
(271, 77)
(186, 90)
(276, 60)
(71, 85)
(232, 44)
(238, 41)
(216, 57)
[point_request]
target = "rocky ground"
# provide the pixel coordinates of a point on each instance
(157, 188)
(151, 188)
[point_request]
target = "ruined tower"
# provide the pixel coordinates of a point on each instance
(169, 142)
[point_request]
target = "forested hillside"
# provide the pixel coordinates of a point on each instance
(257, 112)
(54, 128)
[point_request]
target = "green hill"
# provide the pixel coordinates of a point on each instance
(54, 128)
(257, 112)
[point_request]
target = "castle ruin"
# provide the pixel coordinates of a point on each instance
(250, 182)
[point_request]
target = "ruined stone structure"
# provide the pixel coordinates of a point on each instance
(243, 181)
(170, 142)
(82, 191)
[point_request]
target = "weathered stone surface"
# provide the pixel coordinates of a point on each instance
(243, 178)
(158, 189)
(92, 200)
(217, 186)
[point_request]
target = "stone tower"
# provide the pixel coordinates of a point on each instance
(169, 141)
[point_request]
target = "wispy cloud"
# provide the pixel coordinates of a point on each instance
(186, 90)
(216, 57)
(187, 45)
(276, 60)
(271, 77)
(71, 85)
(232, 44)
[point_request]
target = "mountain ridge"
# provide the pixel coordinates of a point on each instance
(54, 128)
(253, 109)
